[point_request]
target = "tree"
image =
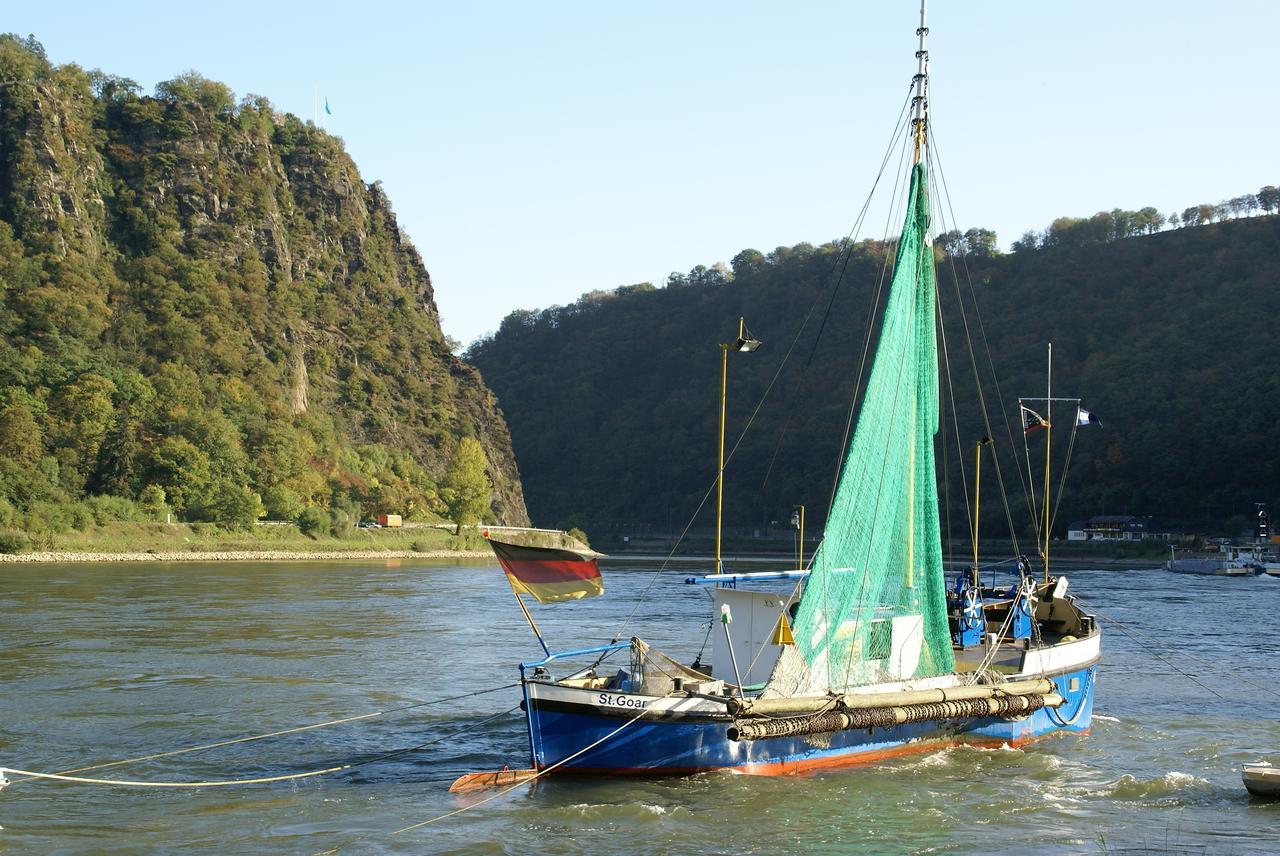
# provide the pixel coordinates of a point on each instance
(152, 500)
(313, 522)
(951, 243)
(1269, 198)
(1029, 241)
(981, 242)
(195, 87)
(1149, 220)
(747, 261)
(19, 434)
(466, 488)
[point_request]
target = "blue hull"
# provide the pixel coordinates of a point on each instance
(699, 742)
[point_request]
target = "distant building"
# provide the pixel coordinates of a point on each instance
(1118, 527)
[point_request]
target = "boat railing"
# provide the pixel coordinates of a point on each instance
(578, 652)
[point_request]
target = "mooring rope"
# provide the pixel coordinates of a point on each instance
(1148, 641)
(532, 778)
(65, 775)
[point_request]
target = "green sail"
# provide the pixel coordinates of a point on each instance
(874, 607)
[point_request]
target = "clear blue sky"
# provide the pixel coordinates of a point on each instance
(534, 151)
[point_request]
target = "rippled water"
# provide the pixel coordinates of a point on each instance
(103, 662)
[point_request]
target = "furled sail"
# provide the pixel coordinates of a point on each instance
(874, 606)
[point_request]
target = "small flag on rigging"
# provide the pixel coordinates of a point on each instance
(327, 111)
(1084, 417)
(1031, 421)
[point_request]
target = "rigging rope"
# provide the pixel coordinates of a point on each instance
(30, 774)
(1209, 665)
(772, 383)
(532, 778)
(280, 733)
(935, 155)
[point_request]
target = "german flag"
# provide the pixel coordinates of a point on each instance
(549, 575)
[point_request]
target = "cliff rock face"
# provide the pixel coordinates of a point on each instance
(199, 294)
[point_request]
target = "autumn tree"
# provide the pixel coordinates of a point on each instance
(466, 488)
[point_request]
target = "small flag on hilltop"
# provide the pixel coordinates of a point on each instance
(1084, 417)
(327, 111)
(1031, 421)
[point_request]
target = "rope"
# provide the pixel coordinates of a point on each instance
(935, 155)
(1056, 716)
(768, 390)
(64, 775)
(1190, 677)
(990, 656)
(843, 262)
(1066, 465)
(532, 778)
(1217, 666)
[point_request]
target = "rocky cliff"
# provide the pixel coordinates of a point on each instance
(203, 296)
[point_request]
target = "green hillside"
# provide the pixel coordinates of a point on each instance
(205, 310)
(1169, 337)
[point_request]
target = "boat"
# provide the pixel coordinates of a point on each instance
(1261, 779)
(864, 652)
(1230, 562)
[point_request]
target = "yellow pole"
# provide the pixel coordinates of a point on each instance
(977, 498)
(800, 545)
(1048, 432)
(724, 374)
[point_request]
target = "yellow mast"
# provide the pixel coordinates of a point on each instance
(724, 376)
(746, 345)
(1048, 431)
(977, 498)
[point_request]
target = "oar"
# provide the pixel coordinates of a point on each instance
(493, 779)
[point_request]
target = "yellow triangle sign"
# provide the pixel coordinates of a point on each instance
(782, 633)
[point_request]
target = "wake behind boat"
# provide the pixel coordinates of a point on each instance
(863, 653)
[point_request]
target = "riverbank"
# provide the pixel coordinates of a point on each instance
(202, 542)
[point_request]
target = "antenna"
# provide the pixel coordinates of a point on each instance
(920, 102)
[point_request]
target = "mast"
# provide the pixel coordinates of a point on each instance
(1048, 437)
(920, 102)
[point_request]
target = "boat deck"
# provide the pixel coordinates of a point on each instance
(1008, 659)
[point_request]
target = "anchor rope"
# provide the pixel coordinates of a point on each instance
(1141, 638)
(1056, 715)
(66, 775)
(532, 778)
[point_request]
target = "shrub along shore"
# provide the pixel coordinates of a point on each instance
(207, 542)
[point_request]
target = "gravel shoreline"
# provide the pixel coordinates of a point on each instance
(242, 556)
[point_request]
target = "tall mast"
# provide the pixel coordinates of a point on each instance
(920, 102)
(1048, 436)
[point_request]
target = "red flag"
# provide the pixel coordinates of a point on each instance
(549, 575)
(1031, 421)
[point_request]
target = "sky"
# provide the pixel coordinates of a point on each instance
(537, 151)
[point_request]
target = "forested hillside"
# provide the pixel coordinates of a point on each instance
(1170, 338)
(205, 310)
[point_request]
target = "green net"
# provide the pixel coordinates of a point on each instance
(874, 607)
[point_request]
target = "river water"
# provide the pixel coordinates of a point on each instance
(106, 662)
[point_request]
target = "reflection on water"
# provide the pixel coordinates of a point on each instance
(113, 661)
